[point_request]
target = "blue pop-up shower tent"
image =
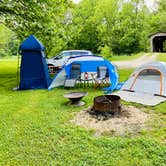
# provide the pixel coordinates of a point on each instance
(89, 64)
(34, 70)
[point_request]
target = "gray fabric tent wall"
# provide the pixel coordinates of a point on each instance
(155, 85)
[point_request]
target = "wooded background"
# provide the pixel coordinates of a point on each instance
(106, 27)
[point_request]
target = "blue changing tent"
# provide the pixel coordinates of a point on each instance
(34, 70)
(88, 64)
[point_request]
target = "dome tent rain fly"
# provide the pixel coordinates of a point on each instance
(34, 70)
(146, 85)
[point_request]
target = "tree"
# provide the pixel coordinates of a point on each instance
(44, 19)
(120, 24)
(8, 42)
(133, 25)
(106, 17)
(84, 34)
(158, 18)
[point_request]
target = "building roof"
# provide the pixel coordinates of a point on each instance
(159, 33)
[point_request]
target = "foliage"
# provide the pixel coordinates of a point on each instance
(106, 52)
(8, 43)
(106, 16)
(118, 24)
(44, 19)
(158, 18)
(123, 26)
(85, 35)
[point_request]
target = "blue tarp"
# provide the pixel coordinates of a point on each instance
(34, 70)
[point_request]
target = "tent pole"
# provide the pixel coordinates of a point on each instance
(18, 64)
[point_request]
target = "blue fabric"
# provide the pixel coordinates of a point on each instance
(86, 66)
(119, 86)
(34, 70)
(91, 66)
(113, 75)
(31, 43)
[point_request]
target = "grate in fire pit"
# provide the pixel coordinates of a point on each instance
(107, 104)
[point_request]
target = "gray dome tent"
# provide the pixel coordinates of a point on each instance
(147, 80)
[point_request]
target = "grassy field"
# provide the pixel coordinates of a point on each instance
(35, 129)
(129, 57)
(161, 57)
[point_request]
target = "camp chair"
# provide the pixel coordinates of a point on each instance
(101, 78)
(75, 72)
(75, 75)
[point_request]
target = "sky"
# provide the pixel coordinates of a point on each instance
(150, 3)
(76, 1)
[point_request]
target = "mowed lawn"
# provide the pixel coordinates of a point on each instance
(35, 129)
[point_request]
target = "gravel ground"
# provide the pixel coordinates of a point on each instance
(130, 120)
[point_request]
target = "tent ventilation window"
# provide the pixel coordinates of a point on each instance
(149, 74)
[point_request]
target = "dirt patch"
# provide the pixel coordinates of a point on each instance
(130, 120)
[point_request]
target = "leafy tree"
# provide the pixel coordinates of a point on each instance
(44, 19)
(133, 25)
(8, 42)
(106, 26)
(84, 34)
(158, 18)
(121, 24)
(106, 17)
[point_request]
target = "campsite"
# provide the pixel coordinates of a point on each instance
(36, 128)
(103, 108)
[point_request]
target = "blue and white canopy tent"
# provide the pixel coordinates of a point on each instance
(34, 70)
(88, 64)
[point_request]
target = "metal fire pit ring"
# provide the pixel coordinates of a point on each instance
(75, 98)
(107, 103)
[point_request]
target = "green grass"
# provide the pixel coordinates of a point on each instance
(128, 57)
(161, 57)
(5, 58)
(35, 129)
(124, 74)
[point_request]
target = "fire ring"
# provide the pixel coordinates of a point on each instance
(107, 103)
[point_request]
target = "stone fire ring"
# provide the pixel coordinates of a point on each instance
(75, 98)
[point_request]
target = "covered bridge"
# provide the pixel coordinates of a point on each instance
(157, 42)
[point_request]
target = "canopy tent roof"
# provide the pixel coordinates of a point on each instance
(32, 43)
(88, 63)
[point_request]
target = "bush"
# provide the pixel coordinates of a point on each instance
(106, 51)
